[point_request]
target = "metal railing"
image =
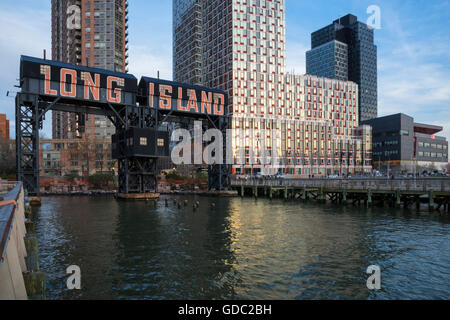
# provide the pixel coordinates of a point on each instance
(407, 184)
(11, 191)
(7, 186)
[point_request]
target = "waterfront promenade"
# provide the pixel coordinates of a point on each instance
(435, 192)
(20, 278)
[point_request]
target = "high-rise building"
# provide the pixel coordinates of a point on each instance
(4, 127)
(92, 33)
(345, 50)
(308, 124)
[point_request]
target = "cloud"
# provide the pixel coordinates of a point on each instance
(296, 57)
(25, 31)
(414, 72)
(147, 61)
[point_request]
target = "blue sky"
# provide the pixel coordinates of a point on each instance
(413, 47)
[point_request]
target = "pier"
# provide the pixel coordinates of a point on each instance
(20, 277)
(434, 192)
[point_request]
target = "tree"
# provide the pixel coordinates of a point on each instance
(7, 159)
(83, 150)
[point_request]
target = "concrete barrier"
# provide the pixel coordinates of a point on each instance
(12, 246)
(14, 258)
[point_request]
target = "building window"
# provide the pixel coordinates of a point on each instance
(160, 142)
(143, 141)
(404, 132)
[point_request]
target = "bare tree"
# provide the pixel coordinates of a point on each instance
(7, 158)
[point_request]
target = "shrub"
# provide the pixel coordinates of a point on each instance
(100, 181)
(174, 176)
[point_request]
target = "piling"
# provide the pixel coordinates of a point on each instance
(398, 200)
(34, 284)
(369, 198)
(431, 200)
(29, 226)
(304, 195)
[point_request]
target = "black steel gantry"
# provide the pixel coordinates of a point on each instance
(136, 111)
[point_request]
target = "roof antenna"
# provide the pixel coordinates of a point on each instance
(158, 74)
(45, 55)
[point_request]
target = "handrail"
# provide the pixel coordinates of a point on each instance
(7, 210)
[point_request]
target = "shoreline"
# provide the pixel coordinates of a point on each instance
(101, 193)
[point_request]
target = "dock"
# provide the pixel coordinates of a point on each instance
(434, 192)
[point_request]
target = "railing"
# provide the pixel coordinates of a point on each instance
(6, 187)
(8, 191)
(407, 184)
(12, 245)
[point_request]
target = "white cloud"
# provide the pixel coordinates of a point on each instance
(296, 57)
(147, 61)
(413, 73)
(24, 32)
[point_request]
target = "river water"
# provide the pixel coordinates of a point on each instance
(232, 248)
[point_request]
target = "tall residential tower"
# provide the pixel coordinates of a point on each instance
(309, 124)
(345, 50)
(92, 33)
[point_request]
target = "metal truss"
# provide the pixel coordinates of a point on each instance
(28, 123)
(136, 174)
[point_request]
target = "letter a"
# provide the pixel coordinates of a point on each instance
(74, 281)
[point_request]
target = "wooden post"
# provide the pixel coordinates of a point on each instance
(344, 197)
(398, 200)
(242, 191)
(431, 200)
(270, 193)
(35, 284)
(321, 197)
(369, 198)
(29, 226)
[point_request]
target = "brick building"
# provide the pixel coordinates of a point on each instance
(4, 127)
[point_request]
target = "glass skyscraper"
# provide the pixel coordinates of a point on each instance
(354, 40)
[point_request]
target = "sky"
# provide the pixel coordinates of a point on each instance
(413, 48)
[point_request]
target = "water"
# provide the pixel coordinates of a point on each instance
(240, 249)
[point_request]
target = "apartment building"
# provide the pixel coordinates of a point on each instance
(309, 125)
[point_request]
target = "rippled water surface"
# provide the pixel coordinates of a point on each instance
(232, 248)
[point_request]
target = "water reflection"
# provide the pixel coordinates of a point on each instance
(233, 248)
